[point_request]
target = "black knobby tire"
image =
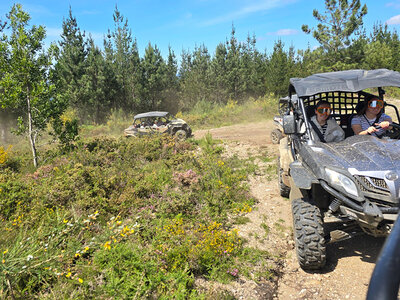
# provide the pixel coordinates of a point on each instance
(308, 235)
(284, 190)
(276, 136)
(180, 134)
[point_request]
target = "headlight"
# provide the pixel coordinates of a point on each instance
(340, 180)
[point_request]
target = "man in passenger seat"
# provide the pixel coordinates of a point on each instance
(323, 128)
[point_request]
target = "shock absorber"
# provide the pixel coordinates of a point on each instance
(334, 206)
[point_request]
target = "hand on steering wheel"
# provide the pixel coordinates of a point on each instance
(373, 129)
(394, 131)
(383, 124)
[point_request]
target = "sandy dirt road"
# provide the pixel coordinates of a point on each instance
(349, 263)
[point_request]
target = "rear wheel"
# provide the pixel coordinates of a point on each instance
(308, 235)
(276, 136)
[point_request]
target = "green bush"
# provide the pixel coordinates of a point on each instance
(123, 218)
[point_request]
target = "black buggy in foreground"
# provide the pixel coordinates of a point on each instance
(357, 179)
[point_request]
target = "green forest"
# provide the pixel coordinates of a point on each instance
(40, 84)
(101, 217)
(94, 81)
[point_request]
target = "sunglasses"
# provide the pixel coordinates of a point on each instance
(324, 110)
(375, 103)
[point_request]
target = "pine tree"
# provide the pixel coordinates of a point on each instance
(219, 74)
(195, 85)
(278, 70)
(171, 92)
(235, 84)
(99, 85)
(71, 65)
(122, 56)
(153, 78)
(336, 27)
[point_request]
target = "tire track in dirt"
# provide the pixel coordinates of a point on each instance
(349, 263)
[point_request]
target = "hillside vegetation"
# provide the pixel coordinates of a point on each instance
(124, 218)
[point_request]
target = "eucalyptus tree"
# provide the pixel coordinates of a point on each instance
(24, 81)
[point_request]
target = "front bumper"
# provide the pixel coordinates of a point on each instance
(370, 215)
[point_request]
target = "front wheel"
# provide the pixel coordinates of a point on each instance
(284, 190)
(276, 136)
(180, 134)
(308, 235)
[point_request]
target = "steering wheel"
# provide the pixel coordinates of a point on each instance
(393, 133)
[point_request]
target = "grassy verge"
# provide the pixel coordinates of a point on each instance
(124, 218)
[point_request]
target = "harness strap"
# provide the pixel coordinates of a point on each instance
(317, 131)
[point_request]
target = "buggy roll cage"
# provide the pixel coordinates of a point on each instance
(343, 89)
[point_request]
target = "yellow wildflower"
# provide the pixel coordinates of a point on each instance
(86, 249)
(107, 245)
(3, 261)
(80, 280)
(5, 252)
(68, 275)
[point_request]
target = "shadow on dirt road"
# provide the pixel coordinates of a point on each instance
(364, 247)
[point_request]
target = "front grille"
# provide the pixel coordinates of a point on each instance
(372, 185)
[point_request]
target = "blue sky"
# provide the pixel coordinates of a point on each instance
(185, 24)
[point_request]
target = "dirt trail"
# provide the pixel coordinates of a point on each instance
(349, 263)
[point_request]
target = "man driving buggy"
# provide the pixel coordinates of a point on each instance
(325, 129)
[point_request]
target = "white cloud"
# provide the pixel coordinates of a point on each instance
(393, 20)
(259, 6)
(284, 32)
(395, 4)
(287, 32)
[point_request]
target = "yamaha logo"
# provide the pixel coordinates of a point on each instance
(391, 176)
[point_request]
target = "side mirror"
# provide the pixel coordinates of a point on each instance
(289, 124)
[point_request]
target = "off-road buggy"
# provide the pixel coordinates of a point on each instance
(277, 134)
(355, 181)
(160, 122)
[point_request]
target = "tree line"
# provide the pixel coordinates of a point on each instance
(40, 84)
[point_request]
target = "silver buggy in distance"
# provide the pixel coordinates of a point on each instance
(158, 122)
(277, 133)
(356, 181)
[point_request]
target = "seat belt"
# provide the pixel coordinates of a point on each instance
(317, 131)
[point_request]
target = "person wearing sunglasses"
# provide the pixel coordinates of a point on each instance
(325, 129)
(370, 117)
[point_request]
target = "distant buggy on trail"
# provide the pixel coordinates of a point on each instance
(160, 122)
(277, 133)
(355, 181)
